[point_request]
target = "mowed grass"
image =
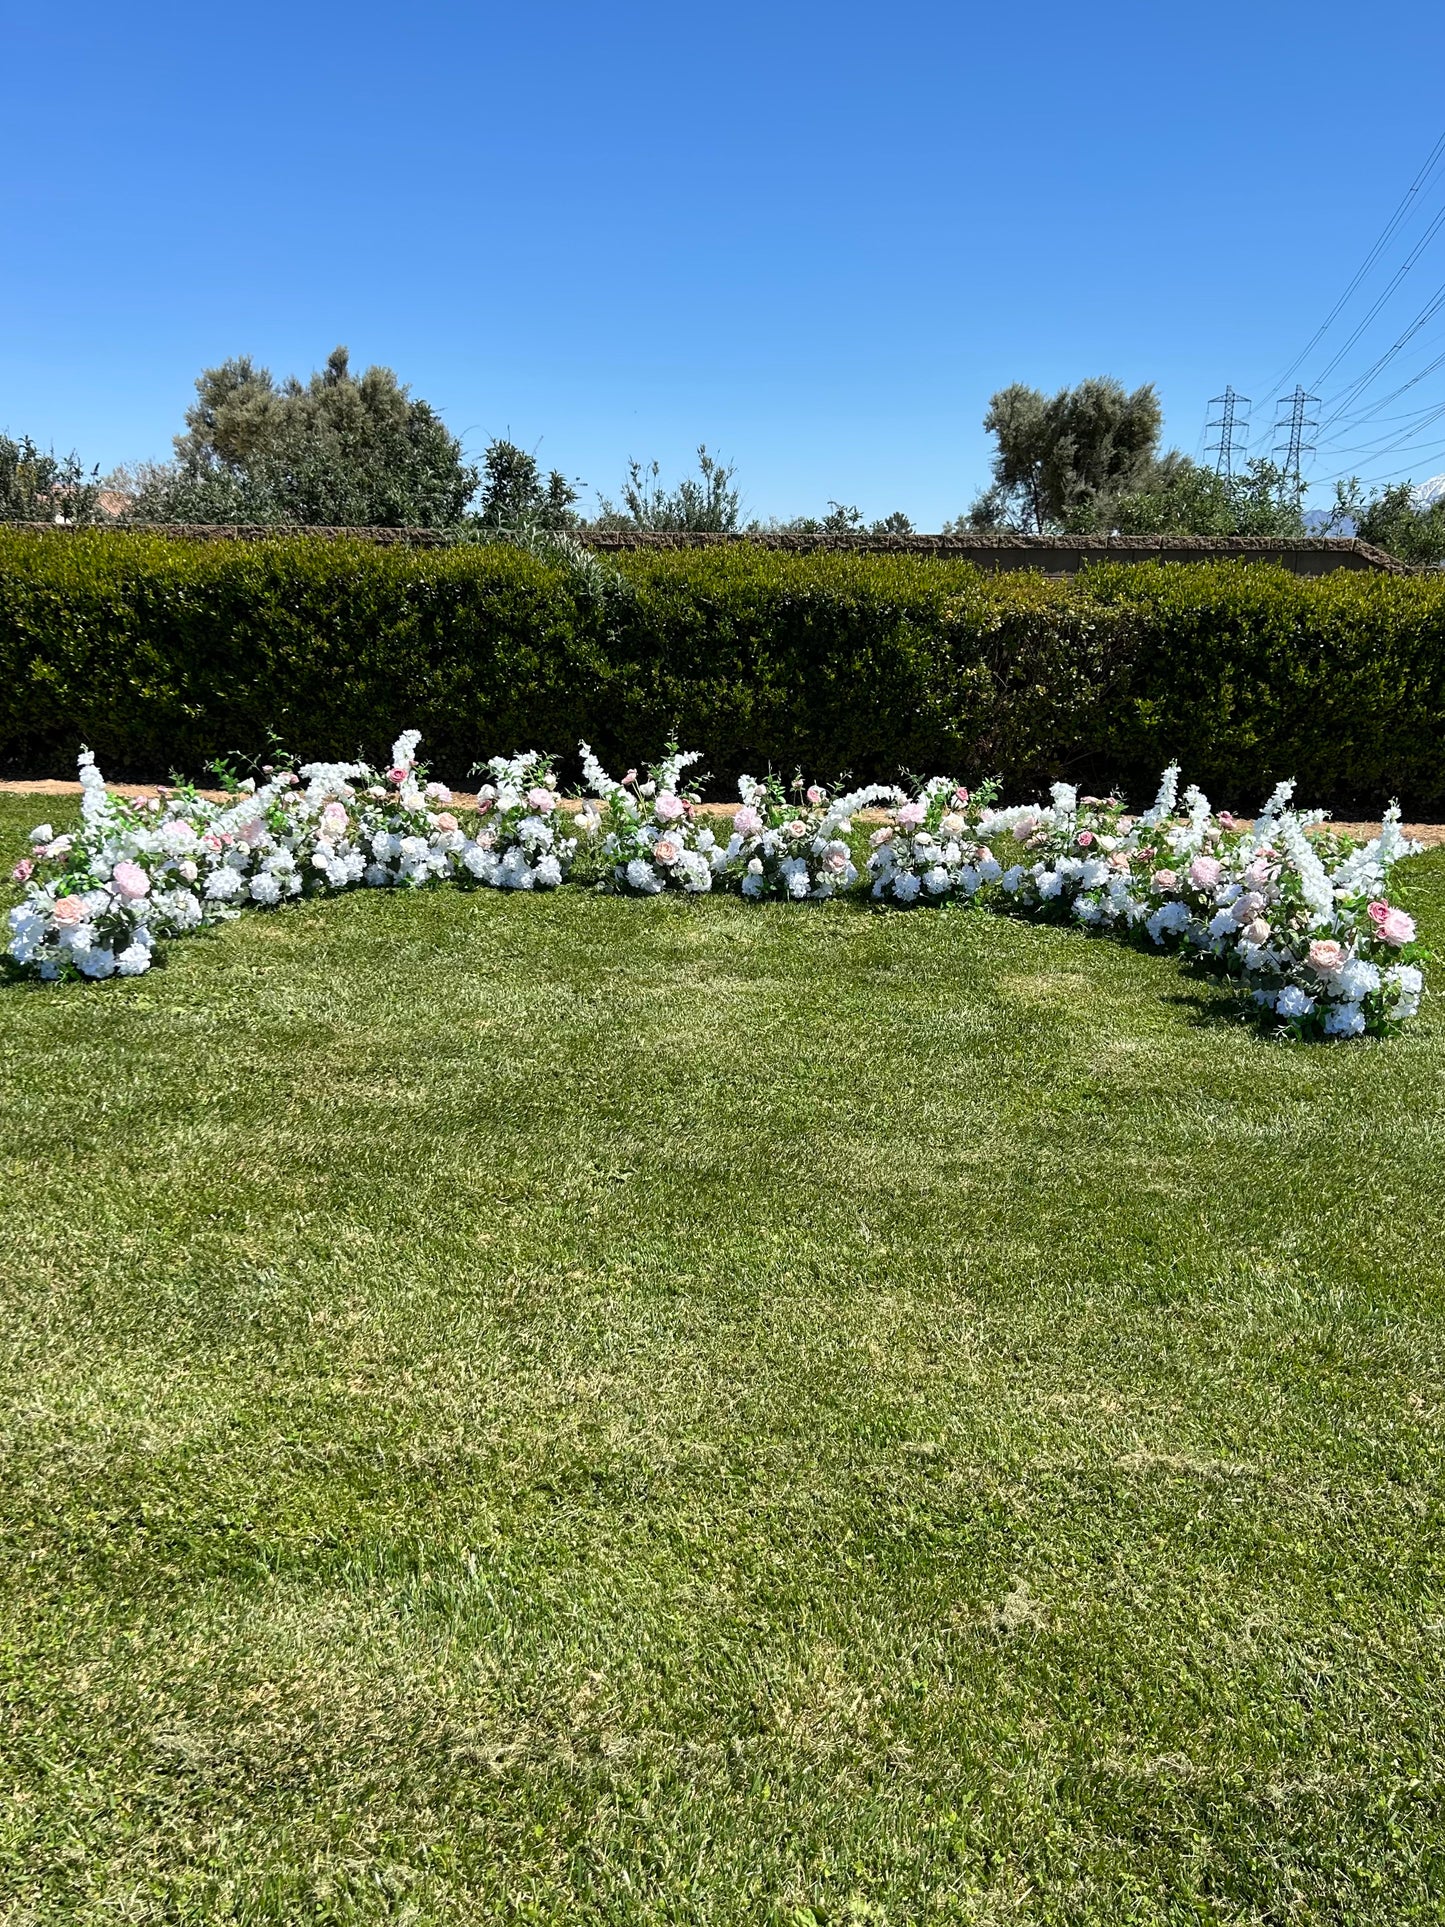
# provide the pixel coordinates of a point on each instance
(563, 1409)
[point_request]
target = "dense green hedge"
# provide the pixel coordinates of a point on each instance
(161, 654)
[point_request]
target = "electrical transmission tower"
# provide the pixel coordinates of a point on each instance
(1233, 431)
(1291, 430)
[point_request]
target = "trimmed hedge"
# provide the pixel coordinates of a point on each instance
(161, 654)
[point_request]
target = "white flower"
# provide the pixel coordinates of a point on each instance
(642, 876)
(1344, 1020)
(42, 833)
(1355, 979)
(1169, 917)
(937, 881)
(265, 889)
(94, 961)
(133, 961)
(1293, 1002)
(906, 887)
(223, 884)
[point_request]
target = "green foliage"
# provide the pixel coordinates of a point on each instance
(707, 500)
(340, 451)
(37, 485)
(1057, 454)
(1182, 498)
(841, 519)
(1393, 520)
(162, 654)
(514, 495)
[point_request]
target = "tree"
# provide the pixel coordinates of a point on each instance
(514, 495)
(1054, 455)
(1181, 498)
(37, 485)
(707, 500)
(338, 450)
(1394, 519)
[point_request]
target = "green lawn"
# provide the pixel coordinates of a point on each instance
(567, 1409)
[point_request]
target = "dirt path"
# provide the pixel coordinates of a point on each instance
(1432, 835)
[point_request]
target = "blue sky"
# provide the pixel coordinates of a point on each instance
(816, 237)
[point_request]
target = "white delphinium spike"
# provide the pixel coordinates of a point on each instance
(403, 750)
(843, 809)
(1065, 801)
(93, 800)
(1163, 805)
(1190, 839)
(1264, 822)
(1315, 885)
(668, 771)
(596, 778)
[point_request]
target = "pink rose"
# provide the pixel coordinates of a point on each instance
(1165, 880)
(835, 861)
(747, 822)
(1205, 871)
(1325, 955)
(69, 911)
(795, 828)
(541, 802)
(1257, 931)
(666, 850)
(815, 794)
(667, 808)
(1025, 828)
(960, 796)
(437, 793)
(880, 837)
(289, 777)
(60, 847)
(1084, 839)
(333, 822)
(254, 832)
(630, 777)
(1118, 861)
(1226, 819)
(1397, 927)
(485, 804)
(911, 814)
(398, 774)
(23, 870)
(130, 881)
(211, 842)
(1378, 912)
(446, 821)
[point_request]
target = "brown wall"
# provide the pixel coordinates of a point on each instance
(1048, 554)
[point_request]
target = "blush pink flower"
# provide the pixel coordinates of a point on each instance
(960, 796)
(668, 808)
(1325, 955)
(253, 833)
(796, 828)
(130, 881)
(747, 822)
(397, 774)
(911, 814)
(835, 861)
(1205, 872)
(543, 802)
(666, 850)
(1397, 927)
(1377, 912)
(333, 822)
(880, 837)
(485, 804)
(1084, 839)
(1165, 880)
(1257, 931)
(23, 870)
(211, 842)
(815, 794)
(446, 821)
(1118, 861)
(69, 911)
(630, 777)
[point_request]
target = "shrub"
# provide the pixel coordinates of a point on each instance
(162, 654)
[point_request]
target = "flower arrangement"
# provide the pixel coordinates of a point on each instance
(931, 852)
(798, 850)
(1296, 914)
(517, 845)
(643, 835)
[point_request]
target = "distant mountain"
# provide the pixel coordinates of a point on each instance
(1428, 492)
(1317, 523)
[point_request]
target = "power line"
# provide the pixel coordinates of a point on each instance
(1386, 235)
(1230, 430)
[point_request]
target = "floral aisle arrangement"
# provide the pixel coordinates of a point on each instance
(931, 852)
(1302, 921)
(795, 850)
(643, 833)
(1297, 915)
(517, 845)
